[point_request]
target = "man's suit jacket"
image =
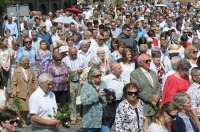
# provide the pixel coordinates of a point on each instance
(146, 89)
(20, 86)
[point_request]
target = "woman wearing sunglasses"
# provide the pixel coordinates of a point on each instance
(8, 120)
(165, 115)
(191, 54)
(184, 121)
(177, 82)
(93, 99)
(129, 113)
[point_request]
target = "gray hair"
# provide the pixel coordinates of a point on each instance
(44, 77)
(95, 61)
(143, 47)
(100, 49)
(91, 73)
(180, 98)
(23, 58)
(184, 63)
(175, 60)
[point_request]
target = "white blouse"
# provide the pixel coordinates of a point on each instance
(126, 71)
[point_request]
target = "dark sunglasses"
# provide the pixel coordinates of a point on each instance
(131, 93)
(13, 121)
(195, 52)
(172, 116)
(44, 27)
(97, 76)
(28, 42)
(147, 61)
(185, 32)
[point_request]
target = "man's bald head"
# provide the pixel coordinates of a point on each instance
(73, 52)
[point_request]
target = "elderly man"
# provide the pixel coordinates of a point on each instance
(75, 65)
(30, 27)
(126, 37)
(29, 51)
(84, 53)
(150, 88)
(194, 93)
(43, 34)
(43, 107)
(114, 82)
(35, 40)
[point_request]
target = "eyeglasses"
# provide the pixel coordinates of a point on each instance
(195, 52)
(185, 32)
(172, 116)
(97, 76)
(132, 93)
(147, 61)
(28, 42)
(128, 30)
(12, 122)
(58, 60)
(44, 27)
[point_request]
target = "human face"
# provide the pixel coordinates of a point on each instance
(15, 46)
(101, 40)
(117, 70)
(7, 34)
(70, 42)
(184, 72)
(194, 53)
(101, 54)
(131, 94)
(156, 60)
(187, 106)
(46, 86)
(43, 27)
(129, 56)
(114, 46)
(34, 36)
(58, 60)
(73, 54)
(85, 47)
(145, 62)
(5, 42)
(126, 31)
(10, 125)
(72, 28)
(27, 43)
(97, 78)
(43, 46)
(25, 64)
(170, 116)
(120, 49)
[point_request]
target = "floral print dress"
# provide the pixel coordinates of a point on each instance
(44, 59)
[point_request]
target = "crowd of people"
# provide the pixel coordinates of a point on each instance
(133, 67)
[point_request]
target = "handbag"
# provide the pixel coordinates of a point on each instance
(108, 114)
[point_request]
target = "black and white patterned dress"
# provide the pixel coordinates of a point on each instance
(128, 117)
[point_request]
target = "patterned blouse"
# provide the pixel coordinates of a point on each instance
(44, 59)
(128, 117)
(59, 74)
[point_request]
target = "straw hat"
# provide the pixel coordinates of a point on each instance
(174, 48)
(63, 49)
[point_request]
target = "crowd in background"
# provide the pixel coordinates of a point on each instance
(133, 66)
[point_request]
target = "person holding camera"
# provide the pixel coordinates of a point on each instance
(93, 99)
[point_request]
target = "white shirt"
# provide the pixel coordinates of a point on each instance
(48, 25)
(147, 74)
(126, 71)
(86, 56)
(156, 128)
(25, 73)
(42, 104)
(116, 32)
(55, 38)
(36, 44)
(3, 96)
(115, 83)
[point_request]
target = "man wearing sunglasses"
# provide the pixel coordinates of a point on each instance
(148, 84)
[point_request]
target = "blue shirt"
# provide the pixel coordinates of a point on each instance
(31, 54)
(12, 27)
(46, 36)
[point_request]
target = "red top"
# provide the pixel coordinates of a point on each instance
(155, 42)
(172, 86)
(187, 44)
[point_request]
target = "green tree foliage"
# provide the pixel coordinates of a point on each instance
(3, 6)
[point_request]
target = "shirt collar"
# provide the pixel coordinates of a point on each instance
(143, 70)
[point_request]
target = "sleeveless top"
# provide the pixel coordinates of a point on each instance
(3, 97)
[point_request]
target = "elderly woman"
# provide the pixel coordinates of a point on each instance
(191, 54)
(129, 113)
(177, 82)
(23, 84)
(165, 115)
(59, 71)
(93, 99)
(184, 121)
(94, 63)
(8, 120)
(104, 64)
(45, 56)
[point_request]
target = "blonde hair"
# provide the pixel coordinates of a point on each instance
(188, 51)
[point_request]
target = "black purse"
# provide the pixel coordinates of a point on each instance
(108, 113)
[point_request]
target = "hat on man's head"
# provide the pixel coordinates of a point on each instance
(174, 48)
(175, 37)
(63, 49)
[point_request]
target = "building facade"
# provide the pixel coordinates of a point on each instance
(46, 5)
